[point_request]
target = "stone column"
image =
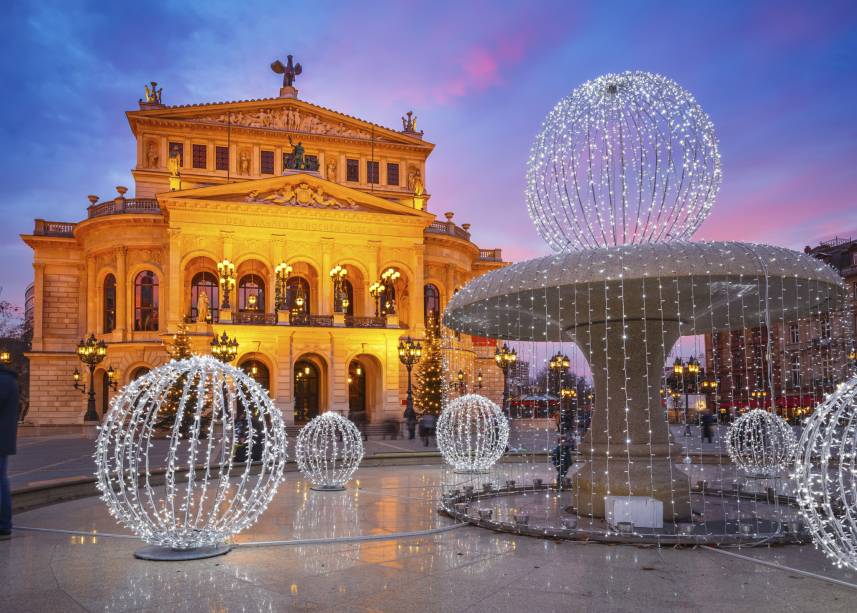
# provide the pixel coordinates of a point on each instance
(174, 273)
(38, 305)
(627, 450)
(325, 299)
(91, 298)
(121, 292)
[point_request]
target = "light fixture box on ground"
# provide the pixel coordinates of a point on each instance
(642, 511)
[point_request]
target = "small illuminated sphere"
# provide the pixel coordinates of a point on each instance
(625, 159)
(760, 443)
(826, 475)
(328, 451)
(472, 433)
(204, 497)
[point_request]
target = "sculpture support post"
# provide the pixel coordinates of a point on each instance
(628, 451)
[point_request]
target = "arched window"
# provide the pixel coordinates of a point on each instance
(431, 303)
(349, 292)
(108, 305)
(258, 371)
(138, 372)
(204, 283)
(251, 293)
(146, 302)
(306, 386)
(297, 295)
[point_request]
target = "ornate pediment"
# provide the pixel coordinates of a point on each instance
(300, 194)
(285, 118)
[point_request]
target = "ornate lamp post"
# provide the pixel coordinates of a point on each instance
(91, 352)
(558, 365)
(389, 278)
(226, 273)
(376, 290)
(224, 348)
(410, 352)
(461, 377)
(479, 379)
(282, 273)
(685, 377)
(340, 297)
(505, 357)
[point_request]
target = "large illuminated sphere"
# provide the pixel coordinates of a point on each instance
(472, 433)
(760, 443)
(328, 451)
(203, 497)
(826, 475)
(626, 158)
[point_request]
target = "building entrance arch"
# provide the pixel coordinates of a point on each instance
(308, 381)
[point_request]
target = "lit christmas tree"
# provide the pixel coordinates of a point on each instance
(431, 380)
(179, 349)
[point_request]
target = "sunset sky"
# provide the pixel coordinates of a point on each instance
(779, 80)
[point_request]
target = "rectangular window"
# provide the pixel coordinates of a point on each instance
(795, 371)
(266, 162)
(221, 158)
(352, 170)
(392, 174)
(311, 162)
(825, 328)
(794, 333)
(177, 149)
(372, 172)
(200, 156)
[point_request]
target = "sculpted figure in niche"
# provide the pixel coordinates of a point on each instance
(202, 309)
(331, 171)
(244, 162)
(152, 155)
(174, 164)
(415, 181)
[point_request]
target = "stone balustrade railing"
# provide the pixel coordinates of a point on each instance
(124, 205)
(54, 228)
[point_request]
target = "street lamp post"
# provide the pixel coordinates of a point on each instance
(91, 352)
(479, 379)
(559, 365)
(282, 272)
(505, 357)
(224, 348)
(226, 274)
(410, 352)
(389, 278)
(462, 383)
(376, 290)
(685, 375)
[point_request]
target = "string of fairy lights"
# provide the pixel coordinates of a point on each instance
(328, 450)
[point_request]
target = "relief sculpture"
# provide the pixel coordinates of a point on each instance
(301, 194)
(286, 119)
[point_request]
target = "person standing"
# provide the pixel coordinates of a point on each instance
(708, 421)
(411, 422)
(427, 425)
(8, 437)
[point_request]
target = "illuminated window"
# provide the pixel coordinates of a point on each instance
(204, 283)
(431, 303)
(297, 295)
(200, 156)
(109, 304)
(146, 302)
(251, 293)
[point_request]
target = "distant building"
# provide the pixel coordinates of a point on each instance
(807, 356)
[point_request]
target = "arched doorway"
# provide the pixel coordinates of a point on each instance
(138, 372)
(366, 389)
(356, 389)
(258, 371)
(307, 382)
(102, 392)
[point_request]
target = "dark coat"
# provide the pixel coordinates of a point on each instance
(8, 411)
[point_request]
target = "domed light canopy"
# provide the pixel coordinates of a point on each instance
(626, 158)
(760, 443)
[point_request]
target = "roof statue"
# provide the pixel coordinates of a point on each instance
(153, 95)
(289, 72)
